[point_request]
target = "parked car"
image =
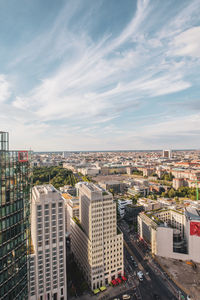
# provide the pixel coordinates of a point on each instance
(140, 275)
(126, 297)
(135, 264)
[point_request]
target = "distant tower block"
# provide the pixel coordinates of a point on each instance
(167, 153)
(65, 154)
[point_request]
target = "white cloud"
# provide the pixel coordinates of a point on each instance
(5, 88)
(187, 43)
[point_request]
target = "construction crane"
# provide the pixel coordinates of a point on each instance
(197, 189)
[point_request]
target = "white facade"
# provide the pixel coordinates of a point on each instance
(178, 231)
(167, 153)
(121, 206)
(95, 241)
(89, 171)
(48, 258)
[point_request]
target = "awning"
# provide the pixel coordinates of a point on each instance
(96, 291)
(118, 280)
(114, 282)
(124, 278)
(102, 288)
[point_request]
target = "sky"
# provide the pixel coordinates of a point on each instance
(100, 75)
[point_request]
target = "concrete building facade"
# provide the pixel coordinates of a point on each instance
(71, 210)
(172, 233)
(48, 258)
(122, 204)
(96, 242)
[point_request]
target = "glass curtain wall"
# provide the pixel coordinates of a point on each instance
(14, 222)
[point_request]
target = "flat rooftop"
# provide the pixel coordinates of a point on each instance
(45, 189)
(192, 213)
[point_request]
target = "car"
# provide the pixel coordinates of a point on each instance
(135, 264)
(132, 258)
(126, 297)
(140, 275)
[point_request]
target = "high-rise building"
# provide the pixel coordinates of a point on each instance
(14, 221)
(48, 257)
(167, 154)
(96, 241)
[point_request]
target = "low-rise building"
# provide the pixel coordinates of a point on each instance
(114, 185)
(172, 233)
(68, 189)
(122, 203)
(149, 204)
(132, 212)
(71, 210)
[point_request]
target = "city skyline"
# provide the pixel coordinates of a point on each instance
(99, 75)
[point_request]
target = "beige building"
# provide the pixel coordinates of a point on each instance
(172, 233)
(48, 258)
(71, 210)
(149, 204)
(96, 242)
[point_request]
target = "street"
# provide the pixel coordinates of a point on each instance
(156, 284)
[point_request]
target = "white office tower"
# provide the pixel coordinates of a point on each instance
(167, 154)
(48, 258)
(96, 242)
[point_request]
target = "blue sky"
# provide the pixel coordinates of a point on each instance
(100, 75)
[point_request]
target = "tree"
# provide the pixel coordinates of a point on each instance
(171, 193)
(112, 191)
(58, 176)
(163, 194)
(134, 201)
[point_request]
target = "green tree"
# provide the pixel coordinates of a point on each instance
(163, 194)
(112, 191)
(171, 193)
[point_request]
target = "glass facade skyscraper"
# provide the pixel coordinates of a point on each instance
(14, 221)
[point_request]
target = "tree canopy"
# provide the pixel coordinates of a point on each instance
(56, 175)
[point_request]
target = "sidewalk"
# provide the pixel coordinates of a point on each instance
(111, 292)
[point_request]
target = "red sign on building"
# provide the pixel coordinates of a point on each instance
(23, 156)
(195, 228)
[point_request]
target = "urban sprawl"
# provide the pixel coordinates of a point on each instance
(99, 225)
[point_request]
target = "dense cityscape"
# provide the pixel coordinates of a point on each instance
(99, 225)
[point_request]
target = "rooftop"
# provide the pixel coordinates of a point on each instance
(45, 189)
(192, 213)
